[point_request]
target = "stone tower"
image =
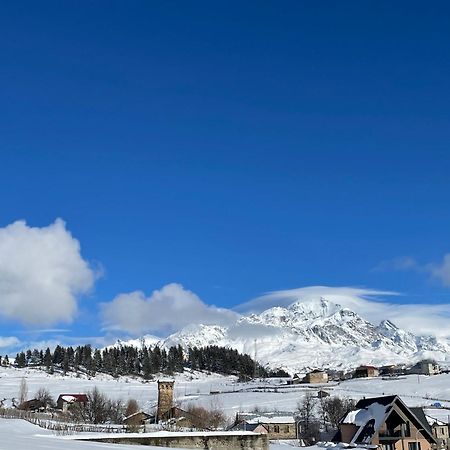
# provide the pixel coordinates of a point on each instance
(165, 398)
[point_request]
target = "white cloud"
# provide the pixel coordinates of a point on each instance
(174, 307)
(41, 273)
(8, 341)
(418, 318)
(349, 297)
(166, 310)
(441, 271)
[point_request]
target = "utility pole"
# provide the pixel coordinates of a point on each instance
(256, 367)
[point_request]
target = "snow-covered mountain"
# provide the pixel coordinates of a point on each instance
(314, 333)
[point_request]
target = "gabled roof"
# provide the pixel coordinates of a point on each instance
(138, 413)
(245, 426)
(420, 414)
(279, 420)
(73, 398)
(371, 413)
(385, 400)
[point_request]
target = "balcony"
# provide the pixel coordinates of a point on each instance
(393, 434)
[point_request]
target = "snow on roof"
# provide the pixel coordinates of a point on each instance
(360, 417)
(433, 421)
(71, 398)
(271, 420)
(437, 415)
(340, 445)
(138, 413)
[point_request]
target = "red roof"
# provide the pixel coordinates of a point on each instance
(77, 397)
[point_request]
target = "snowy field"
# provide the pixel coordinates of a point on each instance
(21, 435)
(200, 389)
(225, 392)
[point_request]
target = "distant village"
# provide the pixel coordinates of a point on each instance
(383, 422)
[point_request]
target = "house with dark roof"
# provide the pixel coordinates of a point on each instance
(32, 405)
(425, 367)
(366, 372)
(388, 423)
(138, 418)
(276, 426)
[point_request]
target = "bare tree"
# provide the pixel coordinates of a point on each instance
(23, 391)
(334, 408)
(132, 407)
(98, 409)
(133, 423)
(309, 425)
(44, 396)
(116, 410)
(206, 418)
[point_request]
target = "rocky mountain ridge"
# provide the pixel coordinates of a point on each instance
(310, 334)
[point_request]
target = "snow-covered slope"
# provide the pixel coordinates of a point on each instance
(315, 333)
(148, 340)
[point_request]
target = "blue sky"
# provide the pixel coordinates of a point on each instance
(231, 148)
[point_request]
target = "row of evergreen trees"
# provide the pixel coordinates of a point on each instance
(143, 361)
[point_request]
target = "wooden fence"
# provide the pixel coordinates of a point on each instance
(60, 425)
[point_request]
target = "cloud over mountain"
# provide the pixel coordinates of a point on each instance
(42, 273)
(419, 318)
(165, 310)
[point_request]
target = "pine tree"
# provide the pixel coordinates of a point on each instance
(48, 358)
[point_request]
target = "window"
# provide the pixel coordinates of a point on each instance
(388, 447)
(287, 429)
(413, 445)
(276, 429)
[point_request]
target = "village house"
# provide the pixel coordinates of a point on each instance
(338, 375)
(322, 394)
(182, 418)
(388, 423)
(138, 418)
(438, 419)
(297, 378)
(32, 405)
(275, 426)
(366, 372)
(65, 400)
(441, 434)
(392, 370)
(316, 376)
(425, 367)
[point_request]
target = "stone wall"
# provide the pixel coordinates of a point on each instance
(205, 441)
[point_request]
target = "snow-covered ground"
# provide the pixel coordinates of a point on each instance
(21, 435)
(225, 392)
(206, 390)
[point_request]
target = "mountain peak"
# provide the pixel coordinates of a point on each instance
(388, 325)
(313, 332)
(318, 306)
